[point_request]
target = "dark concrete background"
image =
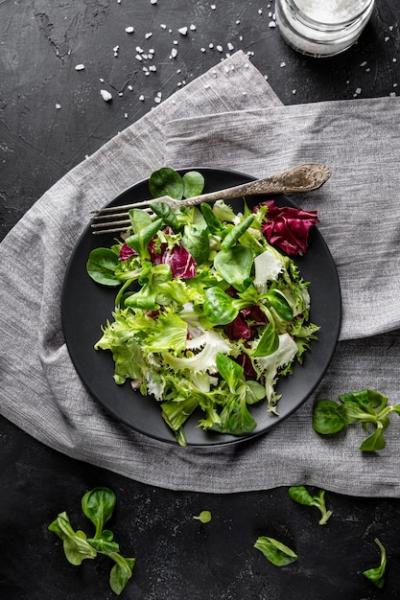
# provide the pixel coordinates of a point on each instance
(41, 41)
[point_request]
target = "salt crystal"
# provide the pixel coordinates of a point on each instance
(130, 87)
(129, 29)
(175, 42)
(387, 39)
(183, 30)
(392, 94)
(151, 51)
(272, 24)
(120, 93)
(147, 74)
(179, 71)
(244, 93)
(363, 64)
(153, 68)
(394, 59)
(240, 38)
(107, 97)
(157, 100)
(174, 53)
(58, 106)
(283, 64)
(179, 84)
(260, 11)
(202, 49)
(266, 77)
(159, 94)
(79, 67)
(116, 49)
(294, 92)
(192, 27)
(395, 85)
(138, 57)
(101, 80)
(141, 98)
(358, 91)
(230, 46)
(213, 7)
(367, 70)
(153, 1)
(391, 28)
(126, 115)
(238, 22)
(211, 45)
(220, 48)
(163, 26)
(148, 35)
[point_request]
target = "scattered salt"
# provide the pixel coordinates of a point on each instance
(294, 92)
(238, 22)
(107, 97)
(230, 46)
(153, 68)
(387, 39)
(58, 106)
(392, 94)
(202, 49)
(126, 115)
(174, 53)
(163, 26)
(141, 98)
(79, 67)
(129, 29)
(213, 7)
(220, 48)
(211, 45)
(153, 1)
(283, 64)
(148, 35)
(260, 11)
(183, 30)
(139, 57)
(130, 87)
(358, 91)
(363, 64)
(272, 24)
(157, 100)
(192, 27)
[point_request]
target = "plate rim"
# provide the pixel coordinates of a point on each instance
(239, 439)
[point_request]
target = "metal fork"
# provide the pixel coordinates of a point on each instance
(304, 178)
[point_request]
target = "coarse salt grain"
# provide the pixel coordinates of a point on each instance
(141, 98)
(107, 97)
(220, 48)
(58, 106)
(211, 45)
(153, 68)
(130, 87)
(202, 49)
(213, 7)
(174, 53)
(260, 11)
(126, 115)
(363, 64)
(157, 100)
(79, 67)
(148, 35)
(129, 29)
(230, 46)
(153, 1)
(139, 57)
(272, 24)
(283, 64)
(163, 26)
(358, 91)
(183, 30)
(192, 27)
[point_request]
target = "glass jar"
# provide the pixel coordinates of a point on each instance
(322, 27)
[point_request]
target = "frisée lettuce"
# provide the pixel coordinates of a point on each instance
(208, 314)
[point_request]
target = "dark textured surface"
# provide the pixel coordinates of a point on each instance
(40, 43)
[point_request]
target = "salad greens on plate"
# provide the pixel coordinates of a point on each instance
(210, 309)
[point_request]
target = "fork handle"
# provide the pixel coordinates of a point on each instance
(304, 178)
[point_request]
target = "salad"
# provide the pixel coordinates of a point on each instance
(210, 309)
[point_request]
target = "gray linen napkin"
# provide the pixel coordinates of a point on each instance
(40, 390)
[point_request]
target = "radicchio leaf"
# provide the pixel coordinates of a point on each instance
(181, 262)
(238, 329)
(126, 252)
(244, 361)
(255, 314)
(287, 228)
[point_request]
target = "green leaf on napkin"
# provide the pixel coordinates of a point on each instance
(368, 407)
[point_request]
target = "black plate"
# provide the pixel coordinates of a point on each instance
(86, 306)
